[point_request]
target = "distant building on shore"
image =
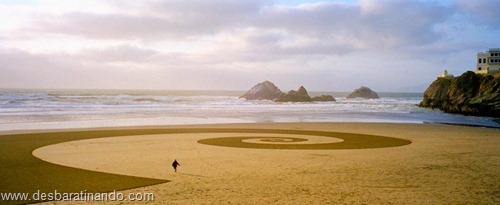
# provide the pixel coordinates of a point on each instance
(445, 75)
(489, 62)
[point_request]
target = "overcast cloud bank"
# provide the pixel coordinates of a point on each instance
(327, 46)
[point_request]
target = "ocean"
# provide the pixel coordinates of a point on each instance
(58, 109)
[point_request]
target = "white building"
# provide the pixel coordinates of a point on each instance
(489, 62)
(445, 75)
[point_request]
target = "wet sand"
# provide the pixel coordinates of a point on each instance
(444, 164)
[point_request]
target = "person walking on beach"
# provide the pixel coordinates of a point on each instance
(175, 164)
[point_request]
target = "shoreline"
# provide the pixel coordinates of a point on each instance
(159, 126)
(464, 125)
(222, 124)
(77, 125)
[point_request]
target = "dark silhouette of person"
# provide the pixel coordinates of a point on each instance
(175, 164)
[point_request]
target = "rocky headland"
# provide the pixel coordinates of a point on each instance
(268, 91)
(469, 94)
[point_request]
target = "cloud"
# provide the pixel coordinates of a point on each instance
(380, 24)
(208, 14)
(110, 26)
(371, 24)
(159, 21)
(207, 44)
(323, 29)
(22, 69)
(119, 53)
(484, 12)
(28, 70)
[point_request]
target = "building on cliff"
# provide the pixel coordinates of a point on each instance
(445, 75)
(489, 62)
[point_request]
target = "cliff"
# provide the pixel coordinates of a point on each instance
(469, 94)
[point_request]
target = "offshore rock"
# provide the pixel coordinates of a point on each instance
(263, 91)
(469, 94)
(295, 96)
(268, 91)
(324, 98)
(301, 95)
(363, 92)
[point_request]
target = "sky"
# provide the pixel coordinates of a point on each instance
(387, 45)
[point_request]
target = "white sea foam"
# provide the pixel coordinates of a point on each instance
(77, 109)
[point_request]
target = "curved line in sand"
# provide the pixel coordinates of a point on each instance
(86, 153)
(266, 138)
(338, 141)
(49, 176)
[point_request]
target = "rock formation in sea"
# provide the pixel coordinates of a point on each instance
(263, 91)
(268, 91)
(323, 98)
(363, 92)
(469, 94)
(301, 95)
(295, 96)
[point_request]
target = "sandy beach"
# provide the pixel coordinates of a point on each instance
(444, 164)
(260, 102)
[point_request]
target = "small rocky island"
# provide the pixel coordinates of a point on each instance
(469, 94)
(268, 91)
(295, 96)
(363, 92)
(263, 91)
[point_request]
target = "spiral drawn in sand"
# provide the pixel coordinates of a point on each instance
(300, 139)
(274, 140)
